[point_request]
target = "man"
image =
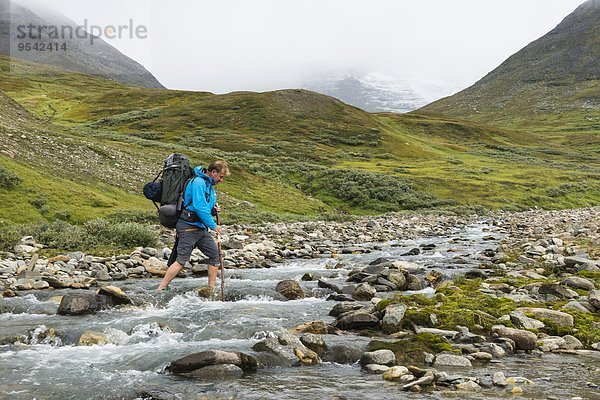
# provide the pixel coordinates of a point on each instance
(199, 201)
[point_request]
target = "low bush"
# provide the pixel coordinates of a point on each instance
(8, 179)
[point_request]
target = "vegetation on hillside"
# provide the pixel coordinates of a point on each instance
(76, 148)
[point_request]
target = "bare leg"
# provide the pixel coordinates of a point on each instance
(212, 275)
(170, 275)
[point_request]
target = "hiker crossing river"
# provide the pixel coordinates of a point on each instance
(258, 344)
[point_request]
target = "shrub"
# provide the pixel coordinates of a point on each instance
(130, 234)
(9, 236)
(8, 179)
(38, 202)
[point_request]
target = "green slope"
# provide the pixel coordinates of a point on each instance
(551, 86)
(294, 153)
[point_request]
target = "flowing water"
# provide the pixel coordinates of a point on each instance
(143, 340)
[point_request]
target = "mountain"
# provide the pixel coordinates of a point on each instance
(376, 92)
(554, 80)
(76, 50)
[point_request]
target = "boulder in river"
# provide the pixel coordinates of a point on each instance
(524, 340)
(290, 289)
(213, 357)
(78, 304)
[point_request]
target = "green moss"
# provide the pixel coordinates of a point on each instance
(411, 350)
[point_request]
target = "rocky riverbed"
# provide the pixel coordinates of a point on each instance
(427, 303)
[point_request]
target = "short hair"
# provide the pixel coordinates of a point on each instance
(220, 166)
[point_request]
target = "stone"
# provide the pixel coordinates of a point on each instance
(414, 283)
(578, 283)
(576, 306)
(516, 390)
(39, 285)
(219, 371)
(290, 289)
(314, 327)
(556, 289)
(557, 317)
(522, 321)
(571, 343)
(307, 356)
(356, 320)
(57, 283)
(395, 373)
(115, 294)
(398, 279)
(314, 343)
(524, 340)
(393, 317)
(594, 299)
(342, 354)
(481, 356)
(451, 360)
(425, 380)
(344, 307)
(364, 291)
(438, 332)
(78, 304)
(468, 386)
(326, 284)
(582, 264)
(212, 357)
(158, 394)
(499, 379)
(375, 368)
(381, 357)
(91, 338)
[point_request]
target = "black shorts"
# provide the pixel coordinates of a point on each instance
(191, 236)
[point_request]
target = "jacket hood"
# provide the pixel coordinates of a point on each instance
(199, 171)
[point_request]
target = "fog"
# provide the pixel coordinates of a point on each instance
(228, 45)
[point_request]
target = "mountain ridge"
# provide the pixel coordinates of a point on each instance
(78, 55)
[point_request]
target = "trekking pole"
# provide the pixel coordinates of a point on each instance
(221, 261)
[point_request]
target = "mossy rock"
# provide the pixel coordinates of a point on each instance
(411, 350)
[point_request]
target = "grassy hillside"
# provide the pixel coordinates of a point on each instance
(294, 153)
(551, 86)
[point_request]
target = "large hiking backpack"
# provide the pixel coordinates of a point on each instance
(168, 191)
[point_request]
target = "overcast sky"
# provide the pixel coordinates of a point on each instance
(227, 45)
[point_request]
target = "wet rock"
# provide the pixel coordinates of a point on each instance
(375, 368)
(91, 338)
(475, 274)
(310, 276)
(307, 356)
(364, 291)
(499, 379)
(524, 340)
(314, 343)
(56, 282)
(78, 304)
(481, 356)
(115, 294)
(393, 317)
(212, 357)
(344, 307)
(342, 354)
(412, 252)
(557, 317)
(468, 386)
(290, 289)
(220, 371)
(326, 284)
(413, 282)
(425, 380)
(398, 279)
(158, 394)
(381, 357)
(451, 360)
(395, 373)
(314, 327)
(356, 320)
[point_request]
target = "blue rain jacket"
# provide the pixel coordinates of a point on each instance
(200, 197)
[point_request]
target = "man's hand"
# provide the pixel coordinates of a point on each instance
(218, 230)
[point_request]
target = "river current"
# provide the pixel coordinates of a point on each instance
(143, 340)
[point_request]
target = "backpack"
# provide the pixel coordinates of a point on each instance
(168, 191)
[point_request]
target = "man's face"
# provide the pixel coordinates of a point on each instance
(216, 176)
